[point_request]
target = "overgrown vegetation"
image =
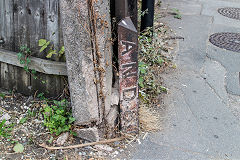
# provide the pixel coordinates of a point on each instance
(24, 56)
(150, 60)
(58, 117)
(26, 122)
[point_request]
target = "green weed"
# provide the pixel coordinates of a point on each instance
(24, 57)
(58, 118)
(2, 95)
(177, 13)
(150, 60)
(5, 130)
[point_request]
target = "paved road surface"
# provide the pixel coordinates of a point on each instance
(202, 117)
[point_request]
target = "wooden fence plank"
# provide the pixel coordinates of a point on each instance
(40, 65)
(4, 75)
(36, 25)
(52, 34)
(22, 31)
(6, 27)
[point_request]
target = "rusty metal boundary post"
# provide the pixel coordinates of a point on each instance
(126, 8)
(128, 75)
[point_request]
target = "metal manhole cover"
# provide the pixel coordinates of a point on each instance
(226, 40)
(233, 13)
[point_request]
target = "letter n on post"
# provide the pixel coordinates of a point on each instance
(128, 75)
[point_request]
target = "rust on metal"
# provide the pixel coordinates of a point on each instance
(128, 75)
(125, 8)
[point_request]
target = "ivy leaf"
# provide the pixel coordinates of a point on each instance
(49, 55)
(22, 48)
(18, 148)
(19, 55)
(62, 50)
(28, 60)
(140, 82)
(34, 71)
(44, 46)
(71, 119)
(22, 61)
(41, 42)
(26, 68)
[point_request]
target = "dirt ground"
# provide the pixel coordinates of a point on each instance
(31, 133)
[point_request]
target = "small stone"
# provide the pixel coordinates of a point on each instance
(216, 136)
(62, 138)
(89, 134)
(100, 153)
(37, 121)
(104, 147)
(5, 116)
(115, 153)
(88, 147)
(116, 143)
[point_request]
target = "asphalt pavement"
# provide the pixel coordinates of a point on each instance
(202, 115)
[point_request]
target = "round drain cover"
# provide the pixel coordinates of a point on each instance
(233, 13)
(226, 40)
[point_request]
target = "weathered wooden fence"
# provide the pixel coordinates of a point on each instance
(24, 22)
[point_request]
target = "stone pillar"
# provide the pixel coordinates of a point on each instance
(80, 60)
(87, 35)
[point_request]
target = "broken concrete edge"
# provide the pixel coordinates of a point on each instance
(112, 115)
(89, 134)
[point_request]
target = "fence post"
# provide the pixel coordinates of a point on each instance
(87, 39)
(128, 75)
(147, 18)
(126, 8)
